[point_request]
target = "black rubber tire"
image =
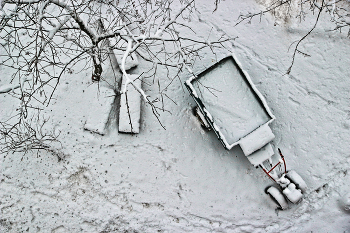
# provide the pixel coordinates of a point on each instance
(295, 178)
(195, 112)
(277, 196)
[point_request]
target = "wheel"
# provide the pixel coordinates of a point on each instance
(197, 112)
(277, 197)
(297, 180)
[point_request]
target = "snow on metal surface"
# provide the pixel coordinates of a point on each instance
(256, 139)
(234, 105)
(261, 155)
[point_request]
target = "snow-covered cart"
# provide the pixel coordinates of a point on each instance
(229, 104)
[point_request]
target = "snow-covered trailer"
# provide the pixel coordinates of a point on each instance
(230, 104)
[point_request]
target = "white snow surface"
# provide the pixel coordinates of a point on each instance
(182, 179)
(8, 87)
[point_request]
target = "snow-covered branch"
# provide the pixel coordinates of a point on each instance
(47, 40)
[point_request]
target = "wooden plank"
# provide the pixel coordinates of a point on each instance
(130, 107)
(101, 101)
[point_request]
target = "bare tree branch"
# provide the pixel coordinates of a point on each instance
(339, 10)
(309, 32)
(43, 41)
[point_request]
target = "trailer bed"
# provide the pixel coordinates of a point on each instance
(236, 108)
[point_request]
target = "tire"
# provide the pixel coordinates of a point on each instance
(205, 125)
(297, 180)
(277, 196)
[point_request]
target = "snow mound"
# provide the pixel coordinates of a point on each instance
(345, 202)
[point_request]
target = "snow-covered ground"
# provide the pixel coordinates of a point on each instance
(182, 179)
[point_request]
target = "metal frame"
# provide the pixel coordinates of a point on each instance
(208, 115)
